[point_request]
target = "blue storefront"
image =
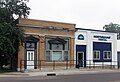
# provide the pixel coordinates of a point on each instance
(104, 50)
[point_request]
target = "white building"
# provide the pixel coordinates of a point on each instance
(118, 52)
(95, 47)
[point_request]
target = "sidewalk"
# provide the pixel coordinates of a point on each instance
(58, 72)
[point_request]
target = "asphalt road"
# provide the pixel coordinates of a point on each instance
(101, 77)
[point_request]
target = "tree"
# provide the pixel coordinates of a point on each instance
(13, 9)
(11, 37)
(113, 28)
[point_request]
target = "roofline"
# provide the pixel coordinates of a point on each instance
(47, 21)
(93, 30)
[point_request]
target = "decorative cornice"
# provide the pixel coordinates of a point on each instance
(46, 27)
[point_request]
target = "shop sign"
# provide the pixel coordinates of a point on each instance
(102, 38)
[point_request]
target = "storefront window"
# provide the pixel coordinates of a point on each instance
(57, 56)
(96, 55)
(65, 55)
(56, 49)
(48, 55)
(67, 45)
(107, 55)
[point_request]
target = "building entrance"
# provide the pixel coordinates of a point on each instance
(31, 52)
(30, 59)
(80, 59)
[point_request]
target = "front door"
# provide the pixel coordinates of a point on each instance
(80, 59)
(30, 59)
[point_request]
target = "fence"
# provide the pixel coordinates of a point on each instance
(43, 64)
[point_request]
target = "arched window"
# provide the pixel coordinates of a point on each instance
(80, 37)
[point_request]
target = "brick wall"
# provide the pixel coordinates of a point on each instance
(43, 33)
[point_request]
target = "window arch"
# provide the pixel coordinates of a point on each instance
(80, 37)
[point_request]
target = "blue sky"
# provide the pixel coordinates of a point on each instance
(89, 14)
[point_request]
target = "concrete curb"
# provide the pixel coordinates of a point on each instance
(14, 74)
(70, 72)
(58, 72)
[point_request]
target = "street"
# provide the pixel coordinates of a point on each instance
(100, 77)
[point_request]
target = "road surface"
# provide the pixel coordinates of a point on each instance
(100, 77)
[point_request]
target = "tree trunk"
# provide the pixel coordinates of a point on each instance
(1, 66)
(11, 63)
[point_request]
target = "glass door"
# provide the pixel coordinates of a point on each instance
(30, 59)
(80, 59)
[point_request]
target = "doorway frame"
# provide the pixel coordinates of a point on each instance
(31, 39)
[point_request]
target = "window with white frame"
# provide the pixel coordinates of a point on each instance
(96, 55)
(57, 49)
(106, 55)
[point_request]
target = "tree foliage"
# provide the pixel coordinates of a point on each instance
(13, 9)
(113, 28)
(10, 39)
(11, 36)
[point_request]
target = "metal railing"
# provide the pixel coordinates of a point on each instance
(43, 64)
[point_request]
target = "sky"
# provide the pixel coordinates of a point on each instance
(88, 14)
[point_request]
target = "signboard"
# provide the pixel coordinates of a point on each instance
(102, 38)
